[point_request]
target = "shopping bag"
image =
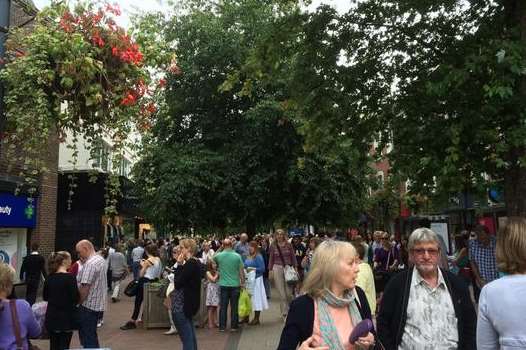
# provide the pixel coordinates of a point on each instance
(132, 288)
(291, 276)
(39, 310)
(250, 282)
(244, 305)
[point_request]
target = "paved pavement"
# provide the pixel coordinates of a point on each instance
(262, 337)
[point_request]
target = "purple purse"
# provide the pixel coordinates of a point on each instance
(361, 330)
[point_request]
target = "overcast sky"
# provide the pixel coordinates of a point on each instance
(132, 6)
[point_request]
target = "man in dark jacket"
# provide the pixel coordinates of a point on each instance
(33, 267)
(426, 307)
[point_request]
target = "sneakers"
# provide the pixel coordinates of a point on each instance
(171, 331)
(100, 323)
(113, 300)
(128, 325)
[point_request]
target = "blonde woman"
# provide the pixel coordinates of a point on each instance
(29, 327)
(187, 279)
(281, 254)
(502, 311)
(325, 316)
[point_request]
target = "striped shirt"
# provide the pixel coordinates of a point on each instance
(289, 256)
(93, 273)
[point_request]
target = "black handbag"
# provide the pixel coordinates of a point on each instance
(132, 288)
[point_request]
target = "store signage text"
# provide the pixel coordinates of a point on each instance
(5, 210)
(17, 211)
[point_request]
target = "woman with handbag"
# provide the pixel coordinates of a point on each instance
(282, 265)
(255, 262)
(187, 293)
(62, 295)
(150, 271)
(331, 313)
(17, 322)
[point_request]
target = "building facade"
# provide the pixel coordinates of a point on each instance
(82, 196)
(24, 220)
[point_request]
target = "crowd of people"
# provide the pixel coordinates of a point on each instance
(417, 295)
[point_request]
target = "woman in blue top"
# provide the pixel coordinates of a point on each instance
(254, 261)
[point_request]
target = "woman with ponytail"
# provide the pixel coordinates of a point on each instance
(62, 295)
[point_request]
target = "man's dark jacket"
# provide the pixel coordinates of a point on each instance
(33, 267)
(393, 310)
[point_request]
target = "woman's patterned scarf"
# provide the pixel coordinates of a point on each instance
(328, 330)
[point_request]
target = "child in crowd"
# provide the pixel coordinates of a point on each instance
(212, 293)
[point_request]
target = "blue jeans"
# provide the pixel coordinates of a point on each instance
(136, 268)
(88, 328)
(185, 327)
(228, 294)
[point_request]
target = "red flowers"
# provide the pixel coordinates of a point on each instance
(98, 17)
(100, 29)
(162, 83)
(66, 22)
(132, 55)
(140, 88)
(136, 93)
(114, 9)
(97, 40)
(129, 100)
(151, 108)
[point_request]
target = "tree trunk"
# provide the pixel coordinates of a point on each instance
(515, 177)
(515, 191)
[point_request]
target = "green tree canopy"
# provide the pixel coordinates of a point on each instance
(444, 81)
(227, 150)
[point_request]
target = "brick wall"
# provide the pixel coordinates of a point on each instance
(47, 201)
(21, 13)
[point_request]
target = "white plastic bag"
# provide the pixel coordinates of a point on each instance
(291, 276)
(250, 282)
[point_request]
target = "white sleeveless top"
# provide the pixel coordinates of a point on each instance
(154, 271)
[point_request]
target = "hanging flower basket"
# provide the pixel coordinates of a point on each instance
(76, 71)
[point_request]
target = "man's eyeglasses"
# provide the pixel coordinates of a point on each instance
(422, 252)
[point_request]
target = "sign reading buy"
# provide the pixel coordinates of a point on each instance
(17, 211)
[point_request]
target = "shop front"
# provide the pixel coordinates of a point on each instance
(17, 220)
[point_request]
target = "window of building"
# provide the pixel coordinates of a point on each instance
(102, 151)
(125, 167)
